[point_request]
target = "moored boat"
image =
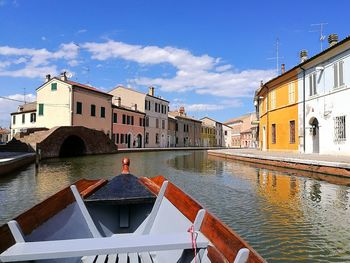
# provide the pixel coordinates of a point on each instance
(126, 219)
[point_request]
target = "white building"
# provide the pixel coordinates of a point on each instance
(24, 118)
(324, 94)
(227, 130)
(156, 110)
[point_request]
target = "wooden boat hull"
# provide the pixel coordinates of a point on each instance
(225, 242)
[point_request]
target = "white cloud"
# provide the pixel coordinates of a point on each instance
(201, 74)
(206, 107)
(37, 62)
(81, 31)
(223, 68)
(8, 106)
(43, 38)
(2, 3)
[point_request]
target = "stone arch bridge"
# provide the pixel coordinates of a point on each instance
(69, 141)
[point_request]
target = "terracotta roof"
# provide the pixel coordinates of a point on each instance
(240, 118)
(4, 131)
(77, 84)
(176, 114)
(28, 107)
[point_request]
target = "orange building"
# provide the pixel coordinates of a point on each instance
(277, 105)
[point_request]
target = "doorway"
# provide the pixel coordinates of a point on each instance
(315, 133)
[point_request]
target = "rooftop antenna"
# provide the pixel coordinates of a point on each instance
(277, 57)
(320, 30)
(24, 95)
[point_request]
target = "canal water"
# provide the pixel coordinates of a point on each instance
(284, 216)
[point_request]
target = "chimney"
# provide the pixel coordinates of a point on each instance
(303, 55)
(119, 101)
(47, 77)
(283, 68)
(63, 76)
(182, 110)
(134, 107)
(261, 83)
(332, 39)
(151, 91)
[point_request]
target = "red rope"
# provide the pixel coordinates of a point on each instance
(193, 239)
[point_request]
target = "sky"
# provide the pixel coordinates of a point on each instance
(208, 56)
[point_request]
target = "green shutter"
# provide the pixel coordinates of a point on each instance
(53, 86)
(41, 109)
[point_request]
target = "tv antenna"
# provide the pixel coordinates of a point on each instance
(277, 57)
(24, 95)
(320, 30)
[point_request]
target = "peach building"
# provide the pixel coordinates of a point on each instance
(243, 133)
(128, 127)
(61, 102)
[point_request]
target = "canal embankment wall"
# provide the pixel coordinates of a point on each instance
(314, 163)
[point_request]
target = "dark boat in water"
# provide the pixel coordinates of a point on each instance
(126, 219)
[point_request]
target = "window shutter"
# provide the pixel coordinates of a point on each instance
(341, 79)
(335, 75)
(314, 83)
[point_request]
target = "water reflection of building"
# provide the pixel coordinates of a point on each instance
(278, 188)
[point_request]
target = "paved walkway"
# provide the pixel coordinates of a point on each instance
(339, 164)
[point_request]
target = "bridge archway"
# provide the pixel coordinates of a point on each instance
(72, 146)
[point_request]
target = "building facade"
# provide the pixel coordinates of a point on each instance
(61, 102)
(219, 135)
(208, 138)
(156, 113)
(324, 93)
(277, 102)
(128, 127)
(243, 131)
(187, 129)
(5, 135)
(227, 130)
(24, 119)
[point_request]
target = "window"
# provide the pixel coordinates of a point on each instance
(292, 132)
(338, 74)
(117, 138)
(14, 119)
(273, 99)
(163, 124)
(157, 123)
(273, 131)
(146, 137)
(33, 117)
(103, 112)
(147, 122)
(147, 105)
(115, 118)
(132, 120)
(93, 110)
(53, 86)
(122, 138)
(226, 133)
(291, 92)
(157, 138)
(79, 107)
(176, 127)
(156, 107)
(23, 118)
(312, 84)
(127, 119)
(339, 129)
(41, 109)
(124, 119)
(176, 140)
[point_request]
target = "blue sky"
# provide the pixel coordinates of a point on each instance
(206, 55)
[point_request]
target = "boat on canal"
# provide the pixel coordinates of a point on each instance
(127, 219)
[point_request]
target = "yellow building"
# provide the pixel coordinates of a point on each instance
(208, 137)
(277, 102)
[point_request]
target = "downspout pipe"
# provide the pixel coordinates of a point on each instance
(304, 113)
